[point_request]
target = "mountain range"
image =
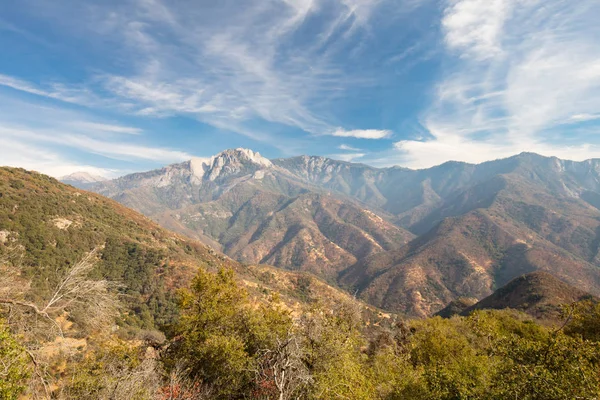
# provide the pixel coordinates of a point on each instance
(404, 240)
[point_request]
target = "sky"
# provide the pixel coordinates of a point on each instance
(112, 87)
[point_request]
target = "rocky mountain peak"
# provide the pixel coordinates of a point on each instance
(234, 162)
(244, 155)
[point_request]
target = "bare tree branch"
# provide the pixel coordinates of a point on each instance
(91, 303)
(282, 366)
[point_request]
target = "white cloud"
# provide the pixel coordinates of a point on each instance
(29, 156)
(183, 96)
(18, 84)
(475, 27)
(362, 133)
(351, 157)
(584, 117)
(59, 136)
(57, 91)
(183, 59)
(425, 155)
(95, 126)
(445, 147)
(527, 71)
(118, 150)
(124, 151)
(347, 148)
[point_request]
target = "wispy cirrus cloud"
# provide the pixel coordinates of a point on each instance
(58, 91)
(348, 157)
(113, 149)
(523, 72)
(39, 158)
(275, 74)
(259, 66)
(362, 133)
(102, 127)
(505, 76)
(59, 141)
(348, 148)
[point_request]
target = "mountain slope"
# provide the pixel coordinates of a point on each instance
(538, 215)
(257, 212)
(465, 256)
(455, 307)
(46, 226)
(454, 259)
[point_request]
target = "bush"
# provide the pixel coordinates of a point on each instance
(113, 371)
(221, 334)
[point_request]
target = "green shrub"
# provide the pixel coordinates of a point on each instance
(14, 365)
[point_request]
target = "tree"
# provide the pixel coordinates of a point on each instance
(90, 303)
(559, 367)
(333, 342)
(14, 365)
(222, 335)
(535, 362)
(584, 320)
(446, 355)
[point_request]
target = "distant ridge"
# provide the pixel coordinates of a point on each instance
(82, 179)
(257, 211)
(539, 294)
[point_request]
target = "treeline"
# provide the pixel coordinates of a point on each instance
(226, 346)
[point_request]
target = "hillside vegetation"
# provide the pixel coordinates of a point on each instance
(98, 302)
(46, 227)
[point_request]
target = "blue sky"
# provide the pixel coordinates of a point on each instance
(111, 87)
